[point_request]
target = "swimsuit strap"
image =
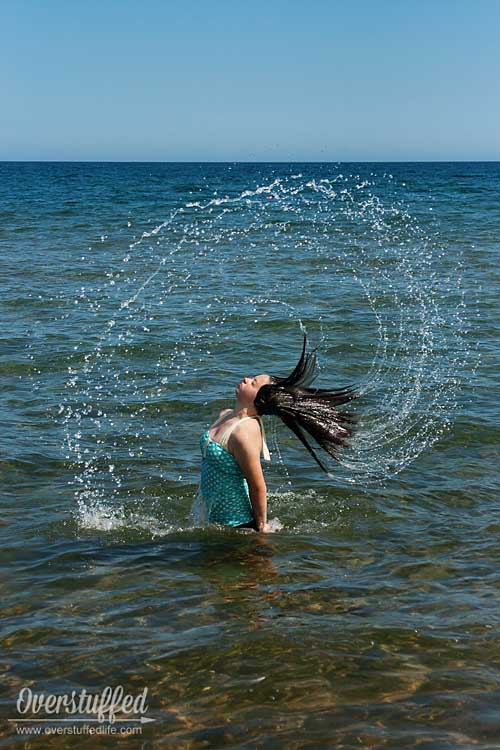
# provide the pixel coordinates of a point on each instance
(227, 432)
(265, 449)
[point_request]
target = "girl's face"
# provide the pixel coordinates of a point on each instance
(248, 388)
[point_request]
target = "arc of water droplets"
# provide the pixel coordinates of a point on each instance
(392, 432)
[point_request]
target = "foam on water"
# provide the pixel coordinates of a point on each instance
(378, 291)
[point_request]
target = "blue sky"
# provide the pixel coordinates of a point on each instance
(225, 80)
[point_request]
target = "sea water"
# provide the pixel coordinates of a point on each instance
(135, 297)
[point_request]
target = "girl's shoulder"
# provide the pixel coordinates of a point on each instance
(246, 428)
(224, 411)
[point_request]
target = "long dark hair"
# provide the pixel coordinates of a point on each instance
(311, 409)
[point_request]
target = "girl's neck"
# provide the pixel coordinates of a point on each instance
(244, 411)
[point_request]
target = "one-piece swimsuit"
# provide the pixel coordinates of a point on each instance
(223, 488)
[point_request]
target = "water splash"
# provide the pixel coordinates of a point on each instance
(189, 299)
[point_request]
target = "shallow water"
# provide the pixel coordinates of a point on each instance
(135, 297)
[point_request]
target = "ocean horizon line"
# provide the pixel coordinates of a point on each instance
(293, 161)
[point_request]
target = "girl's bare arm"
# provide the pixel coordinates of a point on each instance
(246, 447)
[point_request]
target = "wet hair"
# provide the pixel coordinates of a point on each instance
(311, 409)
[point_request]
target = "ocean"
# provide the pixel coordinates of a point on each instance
(135, 296)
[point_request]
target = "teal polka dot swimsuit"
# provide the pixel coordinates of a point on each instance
(223, 488)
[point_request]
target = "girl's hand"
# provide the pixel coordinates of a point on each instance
(273, 527)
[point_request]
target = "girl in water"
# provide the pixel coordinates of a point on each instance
(232, 489)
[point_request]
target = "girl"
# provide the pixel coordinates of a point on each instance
(232, 489)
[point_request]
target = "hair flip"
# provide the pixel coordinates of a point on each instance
(311, 409)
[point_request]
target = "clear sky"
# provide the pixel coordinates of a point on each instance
(227, 80)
